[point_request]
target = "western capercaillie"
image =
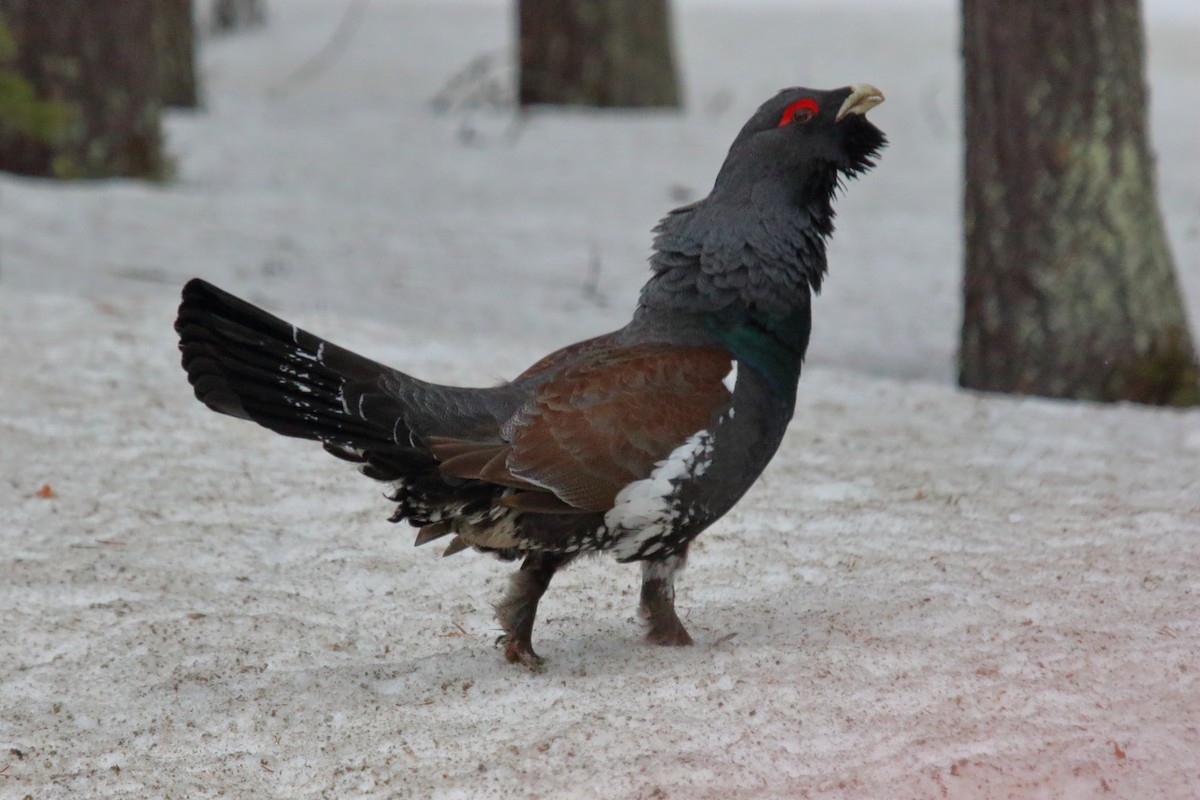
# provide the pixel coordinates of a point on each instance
(632, 442)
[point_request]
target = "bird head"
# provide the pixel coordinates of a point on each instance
(757, 241)
(805, 137)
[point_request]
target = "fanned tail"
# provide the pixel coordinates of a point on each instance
(246, 363)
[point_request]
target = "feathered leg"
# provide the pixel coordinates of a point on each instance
(518, 609)
(658, 601)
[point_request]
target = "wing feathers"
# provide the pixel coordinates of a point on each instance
(602, 423)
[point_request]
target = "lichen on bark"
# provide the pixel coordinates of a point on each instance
(88, 84)
(1069, 289)
(22, 112)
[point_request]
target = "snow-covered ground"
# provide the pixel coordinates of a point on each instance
(929, 594)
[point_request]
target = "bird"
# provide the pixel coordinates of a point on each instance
(632, 442)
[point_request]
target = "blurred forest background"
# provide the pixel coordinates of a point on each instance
(1069, 288)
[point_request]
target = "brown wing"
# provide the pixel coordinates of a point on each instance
(602, 423)
(572, 352)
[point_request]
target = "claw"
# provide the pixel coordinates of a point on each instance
(517, 652)
(518, 609)
(669, 634)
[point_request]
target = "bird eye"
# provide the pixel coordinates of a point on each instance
(799, 112)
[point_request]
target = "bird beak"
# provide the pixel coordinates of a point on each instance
(863, 97)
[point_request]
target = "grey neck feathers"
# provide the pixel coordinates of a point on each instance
(760, 247)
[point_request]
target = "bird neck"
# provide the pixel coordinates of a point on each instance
(746, 264)
(772, 344)
(761, 245)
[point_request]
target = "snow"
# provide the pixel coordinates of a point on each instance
(929, 593)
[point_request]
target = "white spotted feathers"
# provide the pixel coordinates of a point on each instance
(730, 380)
(645, 512)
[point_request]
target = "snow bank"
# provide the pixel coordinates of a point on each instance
(928, 594)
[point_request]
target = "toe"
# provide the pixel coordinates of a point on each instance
(517, 652)
(670, 635)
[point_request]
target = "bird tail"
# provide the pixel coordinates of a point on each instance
(246, 363)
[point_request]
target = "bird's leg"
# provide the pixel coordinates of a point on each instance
(658, 601)
(517, 610)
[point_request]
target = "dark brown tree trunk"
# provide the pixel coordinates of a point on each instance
(235, 15)
(175, 39)
(1069, 289)
(596, 53)
(95, 60)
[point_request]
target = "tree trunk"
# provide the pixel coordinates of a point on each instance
(596, 53)
(175, 40)
(1069, 288)
(94, 60)
(236, 15)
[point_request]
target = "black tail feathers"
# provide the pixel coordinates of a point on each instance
(246, 363)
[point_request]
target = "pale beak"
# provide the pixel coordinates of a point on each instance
(863, 97)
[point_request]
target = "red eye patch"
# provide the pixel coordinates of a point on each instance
(803, 104)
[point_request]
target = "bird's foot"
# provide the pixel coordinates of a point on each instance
(521, 652)
(518, 609)
(666, 630)
(657, 605)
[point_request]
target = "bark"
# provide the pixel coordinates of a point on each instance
(175, 40)
(235, 15)
(94, 60)
(596, 53)
(1069, 288)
